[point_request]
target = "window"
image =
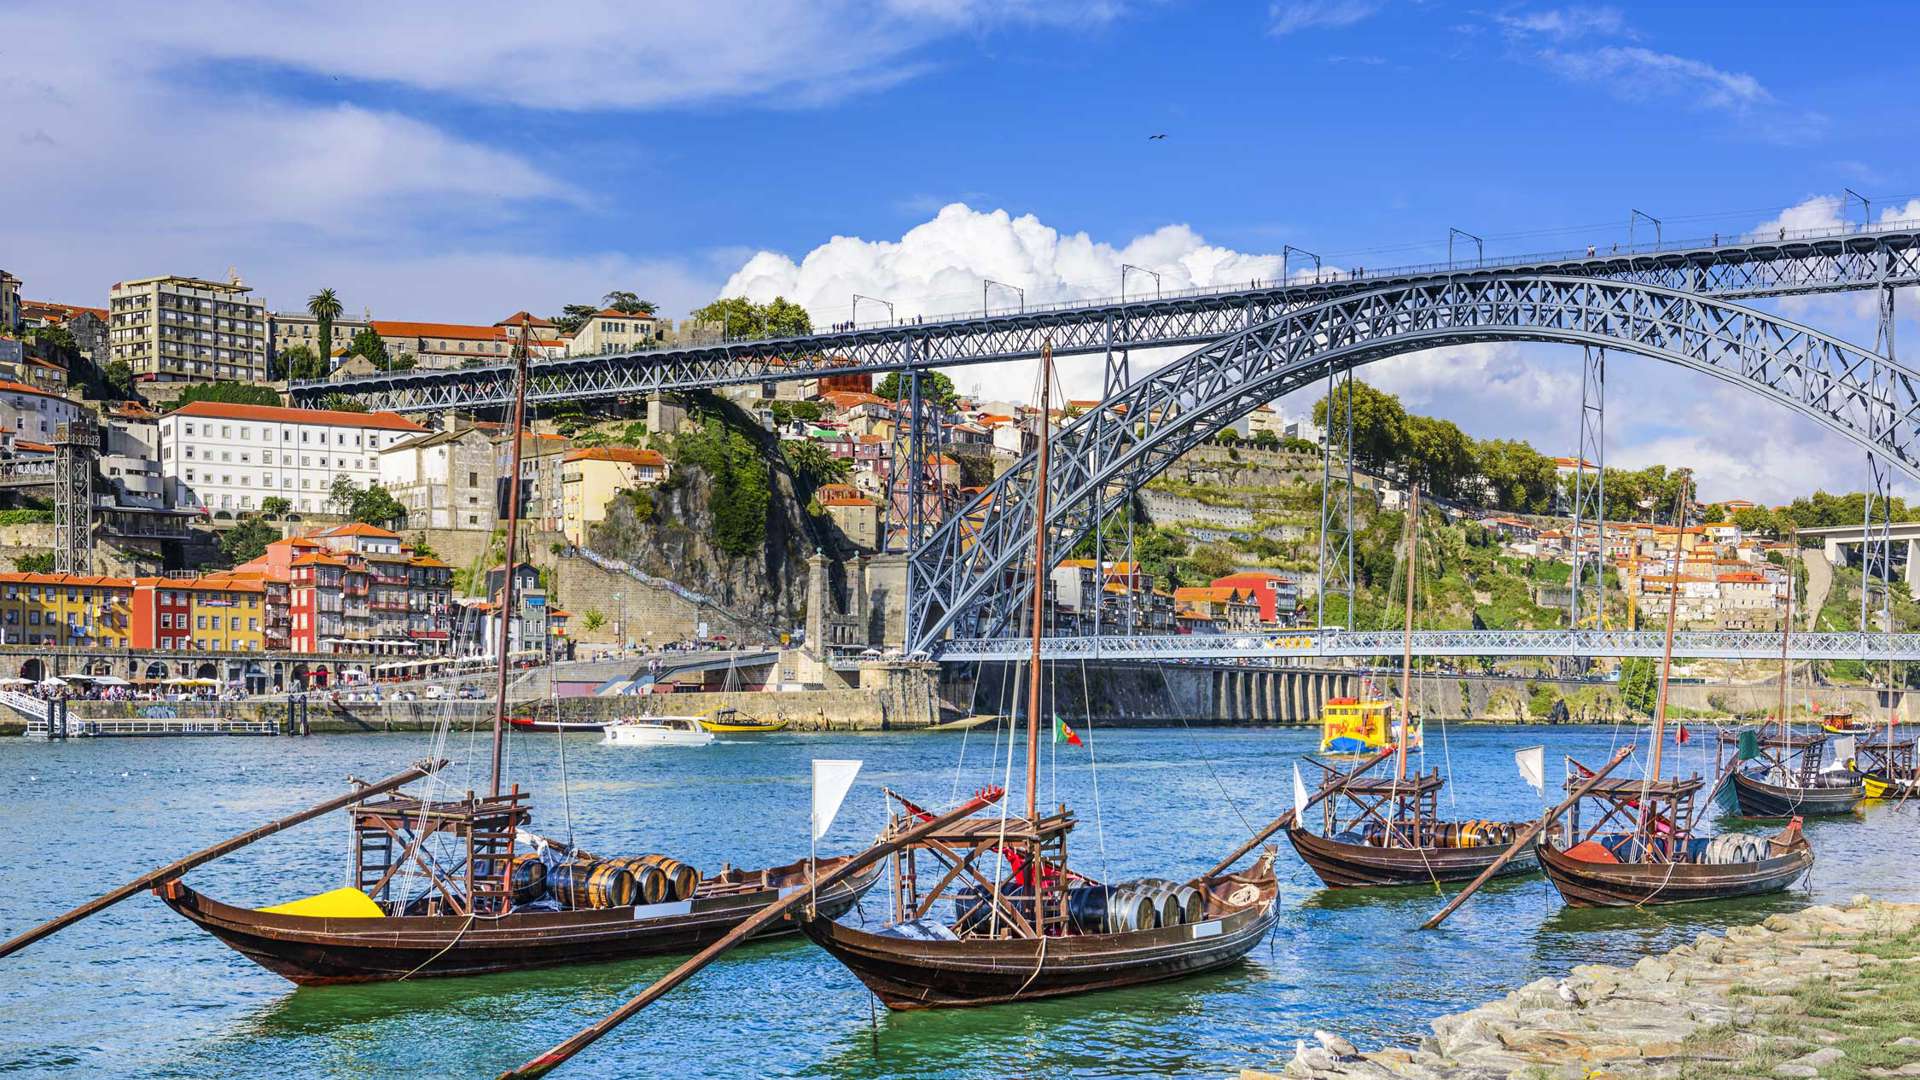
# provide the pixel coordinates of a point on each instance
(166, 620)
(473, 479)
(200, 622)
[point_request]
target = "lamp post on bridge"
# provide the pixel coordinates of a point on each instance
(1124, 267)
(888, 304)
(1479, 246)
(1287, 251)
(1636, 215)
(1866, 208)
(985, 282)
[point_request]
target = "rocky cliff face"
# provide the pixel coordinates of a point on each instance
(675, 532)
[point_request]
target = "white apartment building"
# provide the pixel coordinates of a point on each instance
(219, 457)
(182, 329)
(34, 414)
(614, 331)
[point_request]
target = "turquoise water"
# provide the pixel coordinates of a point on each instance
(140, 992)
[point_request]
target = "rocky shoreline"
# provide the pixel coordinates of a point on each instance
(1823, 992)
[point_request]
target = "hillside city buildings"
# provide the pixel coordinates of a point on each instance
(184, 330)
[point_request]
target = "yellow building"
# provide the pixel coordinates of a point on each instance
(226, 612)
(65, 610)
(589, 480)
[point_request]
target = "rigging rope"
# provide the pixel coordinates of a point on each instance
(1093, 770)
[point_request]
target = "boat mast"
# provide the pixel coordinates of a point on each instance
(1406, 636)
(518, 433)
(1786, 633)
(1039, 588)
(1666, 656)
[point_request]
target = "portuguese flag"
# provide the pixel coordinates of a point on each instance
(1063, 733)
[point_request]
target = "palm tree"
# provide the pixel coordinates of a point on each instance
(324, 306)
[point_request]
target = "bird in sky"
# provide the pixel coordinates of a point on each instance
(1162, 135)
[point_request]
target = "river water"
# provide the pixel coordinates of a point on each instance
(140, 992)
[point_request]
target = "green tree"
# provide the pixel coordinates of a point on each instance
(1379, 423)
(1757, 521)
(40, 562)
(738, 482)
(934, 387)
(1266, 439)
(247, 540)
(341, 493)
(807, 410)
(593, 620)
(573, 317)
(370, 344)
(324, 306)
(57, 337)
(1227, 437)
(298, 362)
(339, 402)
(812, 463)
(629, 304)
(377, 506)
(118, 378)
(421, 547)
(1211, 561)
(1439, 456)
(1639, 685)
(276, 507)
(1518, 477)
(739, 317)
(229, 393)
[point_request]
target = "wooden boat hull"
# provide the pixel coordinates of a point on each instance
(1600, 884)
(321, 951)
(1341, 865)
(1759, 799)
(919, 974)
(1881, 785)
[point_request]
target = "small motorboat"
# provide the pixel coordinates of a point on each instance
(658, 731)
(528, 723)
(727, 720)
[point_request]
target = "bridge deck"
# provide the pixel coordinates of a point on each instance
(1806, 261)
(1314, 645)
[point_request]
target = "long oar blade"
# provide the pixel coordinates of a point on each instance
(560, 1054)
(180, 866)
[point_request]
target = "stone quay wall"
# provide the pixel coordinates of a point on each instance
(1806, 994)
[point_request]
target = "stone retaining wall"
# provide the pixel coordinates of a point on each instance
(1723, 1006)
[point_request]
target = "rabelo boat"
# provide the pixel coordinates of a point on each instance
(1006, 919)
(460, 886)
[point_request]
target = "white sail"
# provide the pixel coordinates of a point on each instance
(1532, 763)
(832, 778)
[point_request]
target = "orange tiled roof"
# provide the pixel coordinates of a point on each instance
(274, 414)
(358, 528)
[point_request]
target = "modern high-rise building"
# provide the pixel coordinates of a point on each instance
(185, 330)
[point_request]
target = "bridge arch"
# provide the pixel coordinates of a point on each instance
(957, 578)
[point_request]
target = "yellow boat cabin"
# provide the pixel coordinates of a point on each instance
(1355, 726)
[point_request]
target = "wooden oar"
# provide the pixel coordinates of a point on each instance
(181, 866)
(1526, 835)
(1285, 820)
(560, 1054)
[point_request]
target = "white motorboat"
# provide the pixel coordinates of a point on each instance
(658, 731)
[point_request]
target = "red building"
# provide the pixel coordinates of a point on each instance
(1277, 594)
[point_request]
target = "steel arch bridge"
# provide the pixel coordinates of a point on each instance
(1792, 263)
(963, 581)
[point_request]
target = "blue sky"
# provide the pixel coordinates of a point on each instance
(458, 162)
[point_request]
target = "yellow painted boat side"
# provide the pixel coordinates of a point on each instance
(339, 904)
(743, 729)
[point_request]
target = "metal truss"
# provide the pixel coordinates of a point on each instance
(1821, 262)
(1336, 511)
(1285, 646)
(960, 576)
(917, 492)
(76, 447)
(1590, 493)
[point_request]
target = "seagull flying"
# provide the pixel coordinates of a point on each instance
(1337, 1046)
(1162, 135)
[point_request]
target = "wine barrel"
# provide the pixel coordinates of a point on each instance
(526, 878)
(1130, 909)
(1087, 907)
(591, 885)
(1193, 904)
(682, 879)
(1166, 902)
(650, 883)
